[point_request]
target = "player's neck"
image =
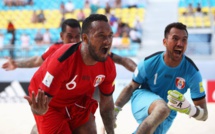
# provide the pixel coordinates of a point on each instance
(86, 57)
(170, 61)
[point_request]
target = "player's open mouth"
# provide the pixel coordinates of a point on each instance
(105, 50)
(178, 52)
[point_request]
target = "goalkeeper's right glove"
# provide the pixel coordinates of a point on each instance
(178, 102)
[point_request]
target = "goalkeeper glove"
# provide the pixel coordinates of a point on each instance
(178, 102)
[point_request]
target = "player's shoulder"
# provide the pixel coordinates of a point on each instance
(190, 63)
(154, 55)
(109, 63)
(67, 50)
(58, 43)
(55, 46)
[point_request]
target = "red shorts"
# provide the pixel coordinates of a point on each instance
(65, 120)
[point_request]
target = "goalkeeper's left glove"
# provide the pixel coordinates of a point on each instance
(178, 102)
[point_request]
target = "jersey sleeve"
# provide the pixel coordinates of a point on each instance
(139, 73)
(54, 75)
(49, 51)
(196, 86)
(108, 85)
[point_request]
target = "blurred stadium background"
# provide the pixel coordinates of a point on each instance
(138, 26)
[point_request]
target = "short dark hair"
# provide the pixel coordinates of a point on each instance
(93, 17)
(177, 25)
(71, 23)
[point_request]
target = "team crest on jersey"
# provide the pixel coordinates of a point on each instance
(180, 82)
(98, 80)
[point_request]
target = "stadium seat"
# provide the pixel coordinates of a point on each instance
(206, 10)
(21, 17)
(198, 21)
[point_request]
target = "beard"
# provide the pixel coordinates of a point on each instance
(94, 55)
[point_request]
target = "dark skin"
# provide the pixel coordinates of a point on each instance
(70, 35)
(95, 47)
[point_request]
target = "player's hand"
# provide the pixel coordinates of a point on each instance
(39, 104)
(9, 65)
(116, 112)
(178, 102)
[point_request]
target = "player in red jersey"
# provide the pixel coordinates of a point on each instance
(60, 96)
(70, 33)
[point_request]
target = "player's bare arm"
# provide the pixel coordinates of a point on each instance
(202, 104)
(124, 61)
(106, 110)
(35, 61)
(12, 64)
(126, 93)
(38, 103)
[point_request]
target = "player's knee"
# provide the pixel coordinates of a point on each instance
(164, 110)
(161, 107)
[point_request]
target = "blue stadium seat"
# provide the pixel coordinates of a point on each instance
(4, 53)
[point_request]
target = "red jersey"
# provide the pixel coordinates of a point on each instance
(66, 78)
(51, 50)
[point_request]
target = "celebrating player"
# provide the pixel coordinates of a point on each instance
(164, 78)
(70, 34)
(60, 92)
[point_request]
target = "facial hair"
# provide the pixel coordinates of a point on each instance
(92, 51)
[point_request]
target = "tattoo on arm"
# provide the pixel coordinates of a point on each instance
(29, 63)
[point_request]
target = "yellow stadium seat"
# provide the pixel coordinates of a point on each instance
(101, 11)
(207, 23)
(182, 19)
(181, 10)
(133, 10)
(87, 11)
(198, 21)
(205, 10)
(141, 10)
(117, 10)
(76, 12)
(190, 24)
(213, 10)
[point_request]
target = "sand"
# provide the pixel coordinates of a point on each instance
(16, 118)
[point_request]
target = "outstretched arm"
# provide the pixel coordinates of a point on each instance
(124, 61)
(12, 64)
(106, 110)
(126, 93)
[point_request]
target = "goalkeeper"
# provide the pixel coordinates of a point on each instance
(159, 82)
